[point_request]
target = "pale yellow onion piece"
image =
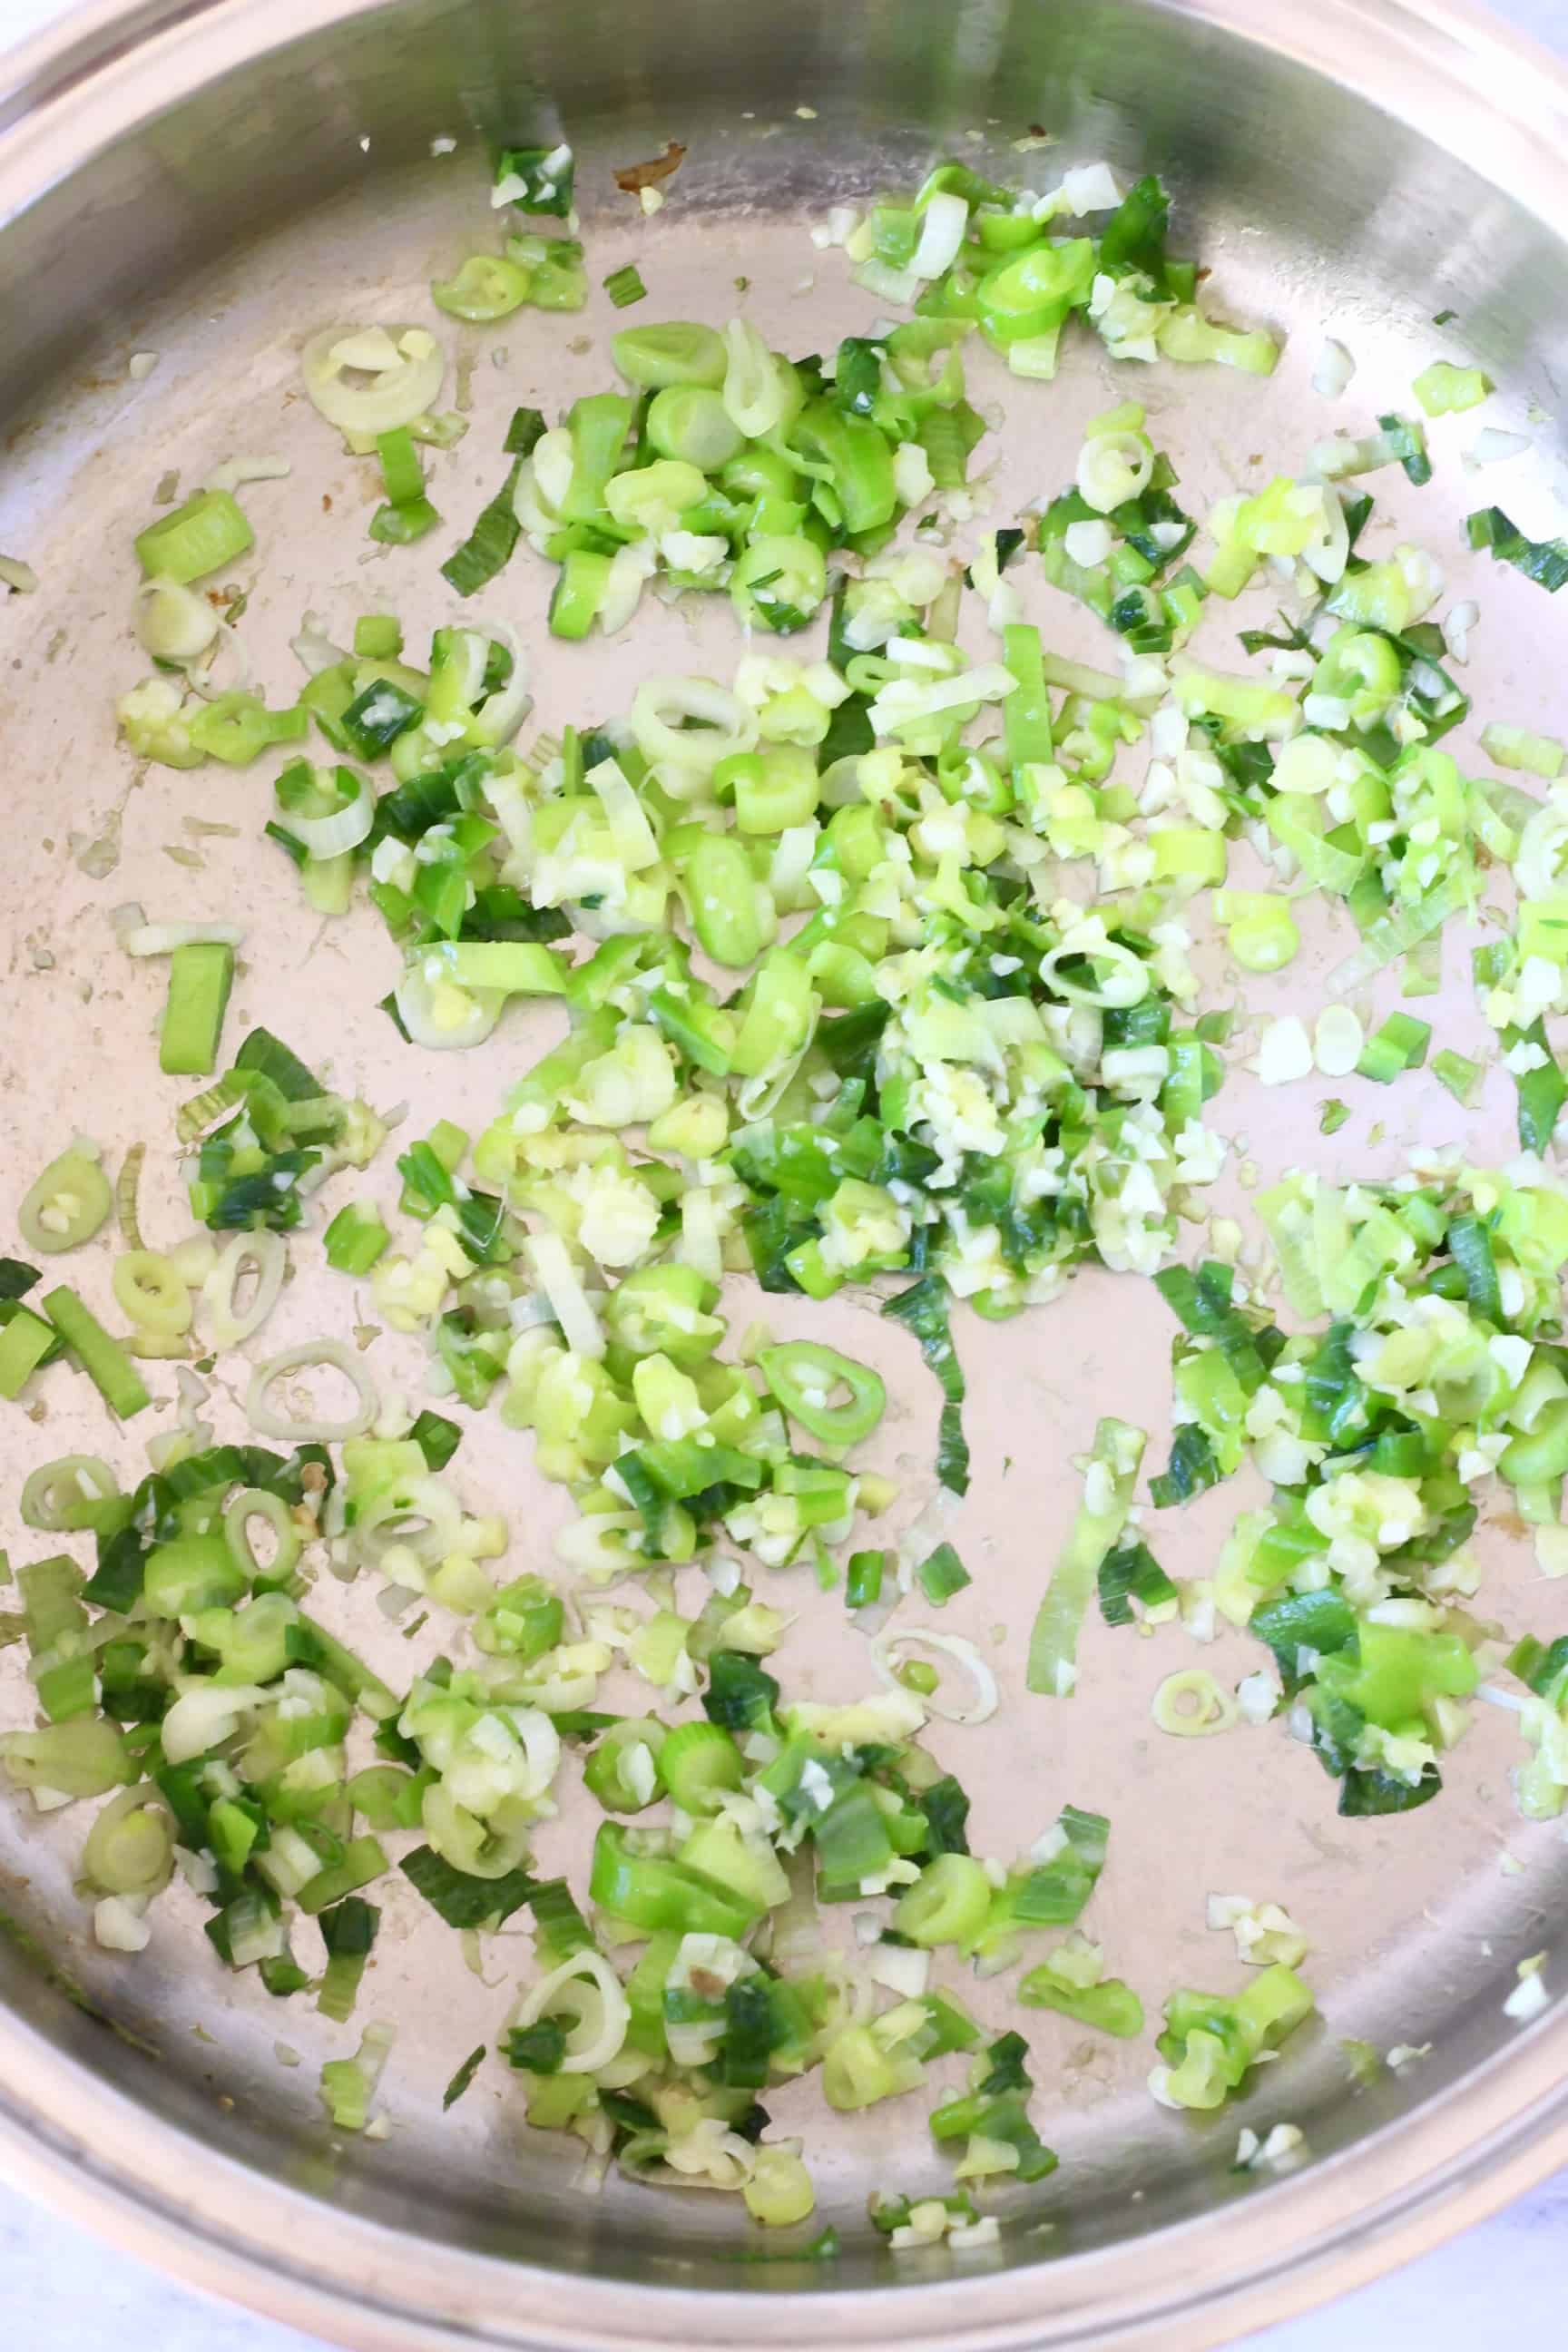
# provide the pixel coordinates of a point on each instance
(234, 472)
(437, 1013)
(127, 1855)
(172, 621)
(194, 1258)
(162, 939)
(421, 1514)
(1213, 1710)
(397, 375)
(952, 1646)
(152, 1294)
(588, 1988)
(263, 1257)
(661, 714)
(308, 1356)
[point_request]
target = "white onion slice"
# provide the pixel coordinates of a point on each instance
(503, 713)
(1335, 370)
(172, 621)
(234, 472)
(559, 1280)
(404, 366)
(942, 233)
(162, 939)
(345, 828)
(600, 2029)
(262, 1255)
(303, 1357)
(313, 648)
(440, 1014)
(952, 1645)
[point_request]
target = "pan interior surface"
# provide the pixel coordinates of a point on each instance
(296, 186)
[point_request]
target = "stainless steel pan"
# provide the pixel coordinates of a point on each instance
(211, 182)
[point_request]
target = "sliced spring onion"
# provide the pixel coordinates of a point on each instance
(1192, 1706)
(65, 1205)
(624, 286)
(209, 532)
(1399, 1044)
(103, 1358)
(371, 380)
(306, 1356)
(964, 1653)
(489, 547)
(1109, 1477)
(941, 1574)
(261, 1259)
(200, 977)
(1544, 561)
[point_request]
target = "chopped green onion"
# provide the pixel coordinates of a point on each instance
(1445, 390)
(1109, 1481)
(535, 179)
(1459, 1075)
(1107, 2006)
(624, 286)
(923, 1309)
(209, 530)
(804, 1377)
(348, 1931)
(1407, 442)
(1399, 1044)
(941, 1574)
(487, 287)
(463, 2077)
(26, 1343)
(200, 977)
(1129, 1574)
(1514, 747)
(356, 1239)
(863, 1580)
(462, 1899)
(1544, 561)
(65, 1206)
(103, 1359)
(676, 352)
(489, 547)
(524, 433)
(378, 637)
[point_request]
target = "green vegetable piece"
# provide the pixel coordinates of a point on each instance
(624, 286)
(655, 1893)
(804, 1376)
(356, 1239)
(1107, 2007)
(103, 1359)
(210, 529)
(1399, 1044)
(1109, 1483)
(65, 1206)
(25, 1342)
(941, 1574)
(536, 179)
(487, 287)
(200, 977)
(863, 1580)
(1544, 561)
(676, 352)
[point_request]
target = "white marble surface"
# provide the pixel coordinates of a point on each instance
(61, 2291)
